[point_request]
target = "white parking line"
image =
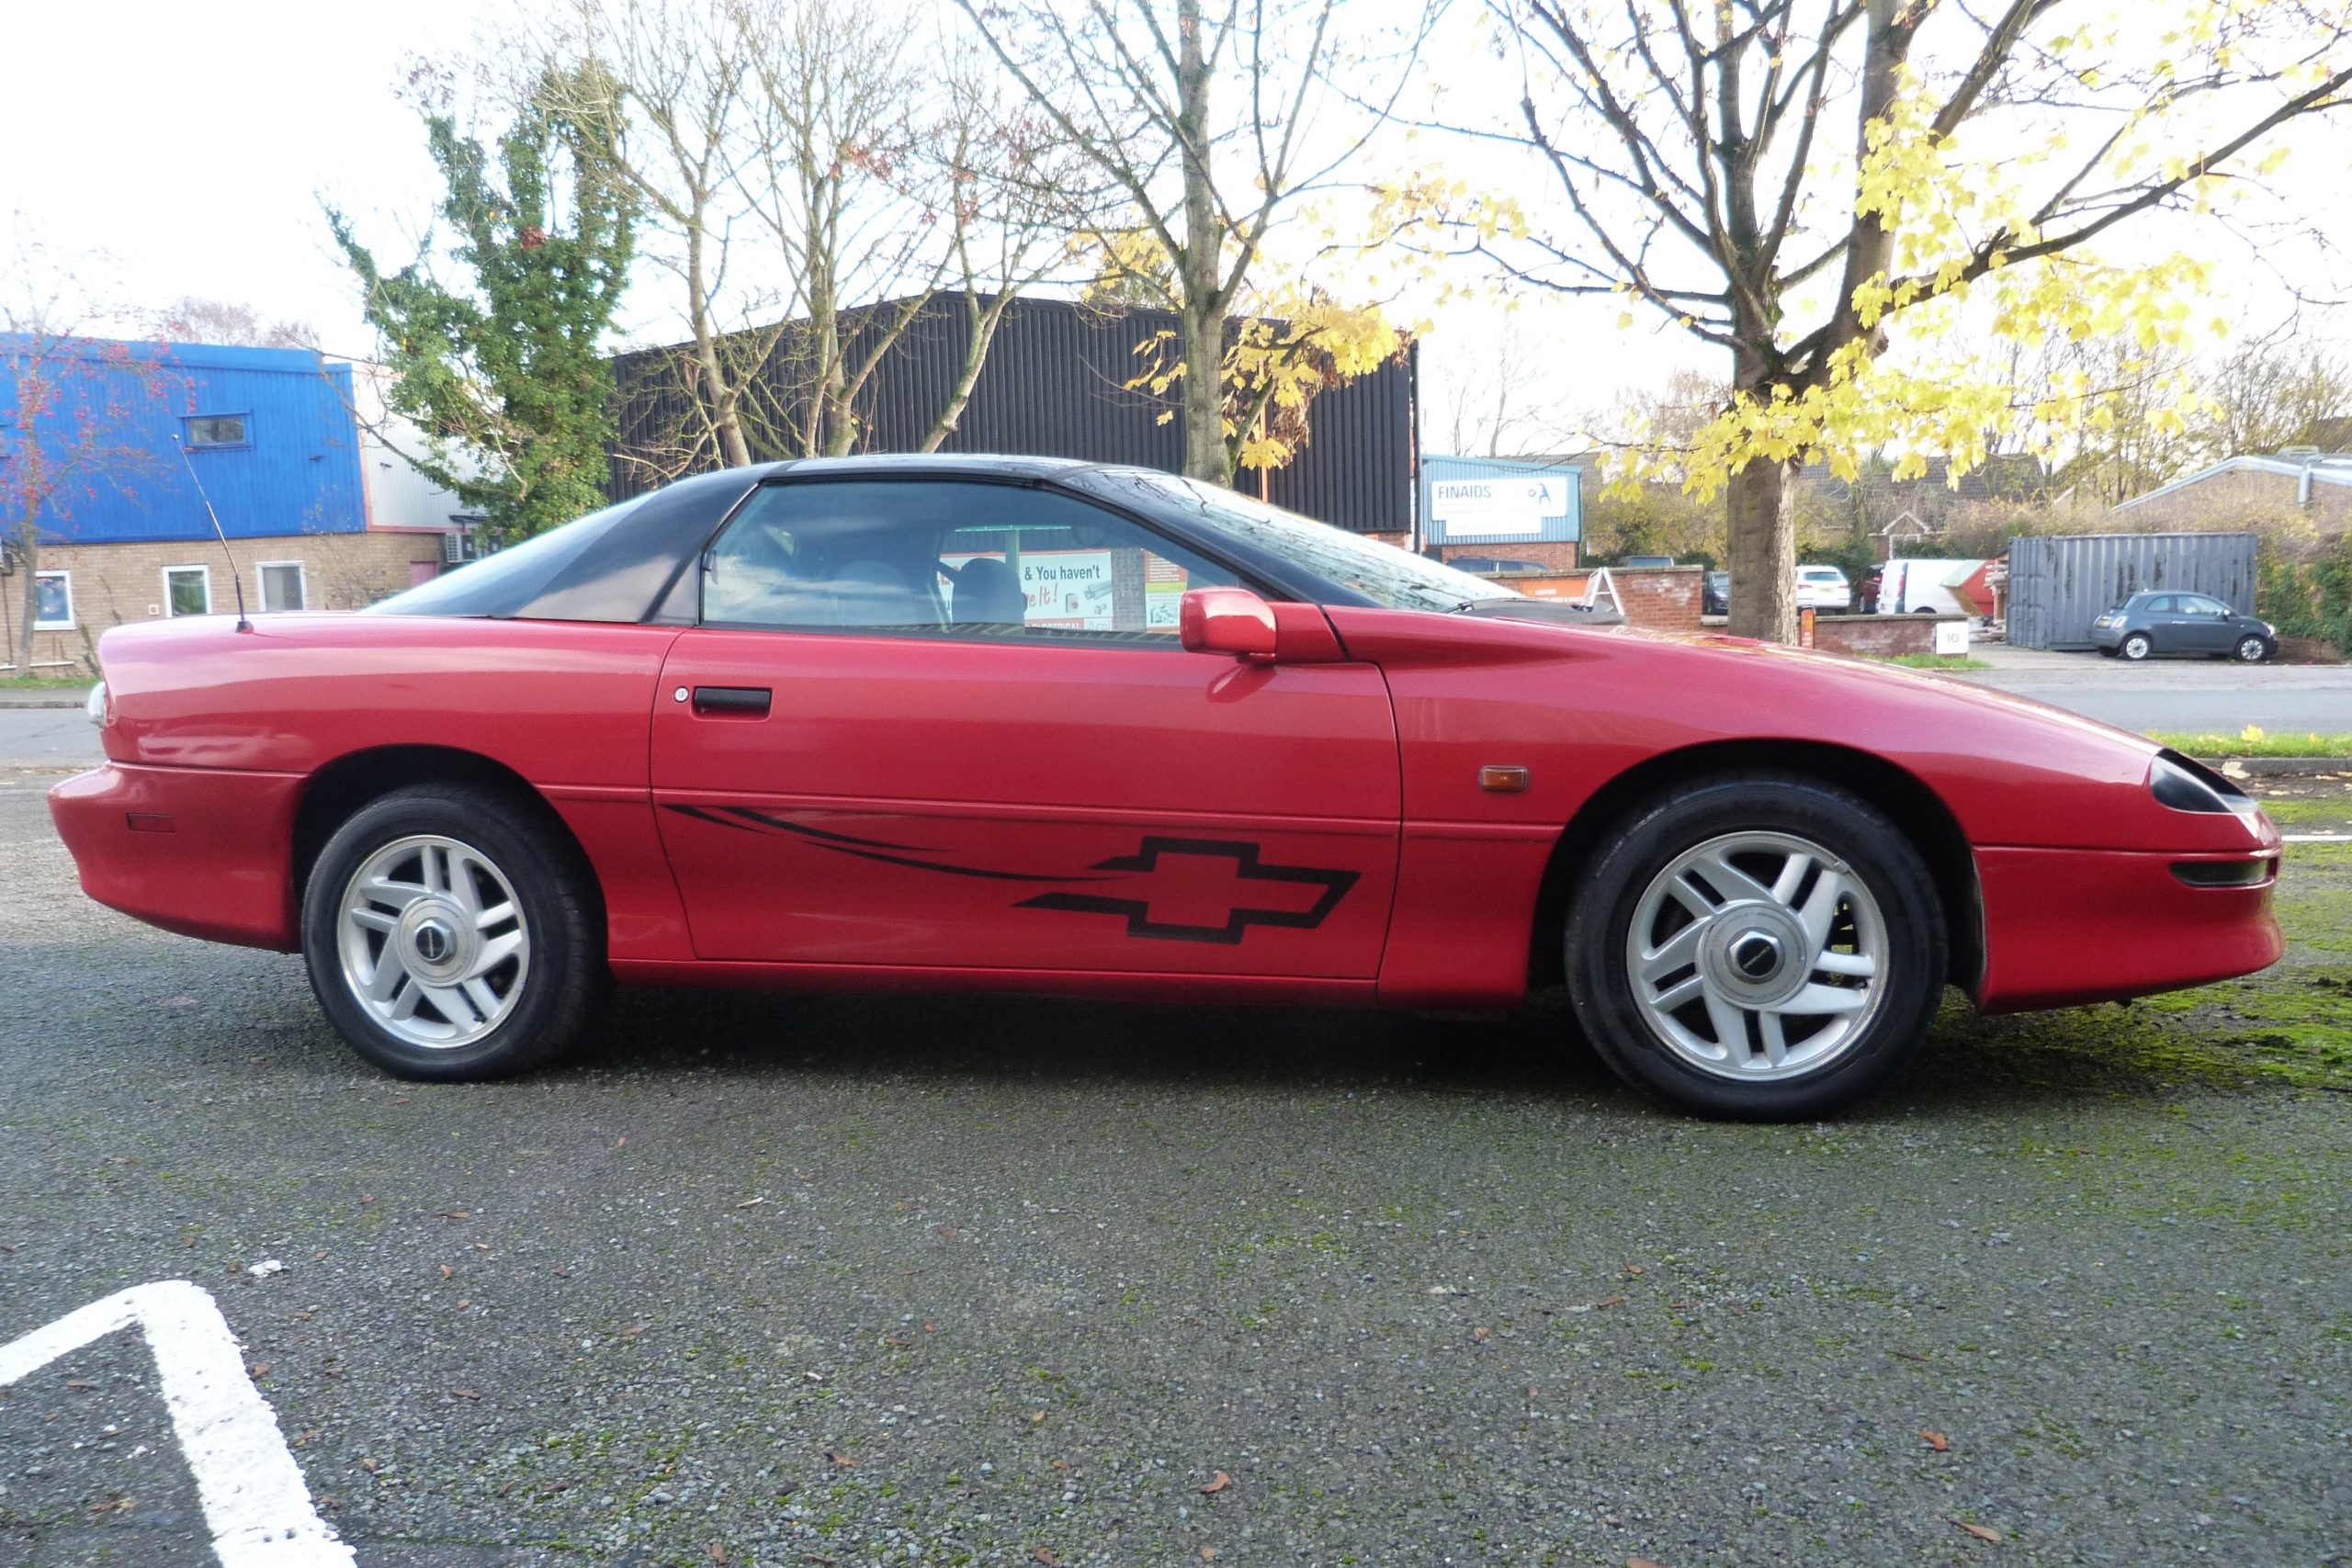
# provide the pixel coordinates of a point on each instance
(2316, 838)
(254, 1496)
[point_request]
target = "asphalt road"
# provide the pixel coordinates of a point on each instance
(47, 738)
(900, 1280)
(2194, 695)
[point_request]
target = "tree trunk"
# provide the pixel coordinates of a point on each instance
(975, 356)
(1207, 455)
(1763, 538)
(30, 547)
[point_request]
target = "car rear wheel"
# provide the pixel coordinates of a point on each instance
(1756, 946)
(2252, 649)
(452, 933)
(2136, 646)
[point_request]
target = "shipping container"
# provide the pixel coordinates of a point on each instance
(2059, 583)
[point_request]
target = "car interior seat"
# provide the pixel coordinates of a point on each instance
(988, 593)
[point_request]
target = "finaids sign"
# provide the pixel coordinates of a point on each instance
(1513, 506)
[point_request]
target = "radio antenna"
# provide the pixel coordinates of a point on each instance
(235, 580)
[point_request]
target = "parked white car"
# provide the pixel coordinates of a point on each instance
(1824, 588)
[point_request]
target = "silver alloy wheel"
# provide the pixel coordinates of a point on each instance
(1757, 955)
(2251, 650)
(434, 943)
(2136, 646)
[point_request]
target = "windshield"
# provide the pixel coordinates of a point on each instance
(1394, 578)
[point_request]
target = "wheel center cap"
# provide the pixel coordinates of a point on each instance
(433, 941)
(1751, 953)
(1756, 955)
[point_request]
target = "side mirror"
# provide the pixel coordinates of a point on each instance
(1229, 620)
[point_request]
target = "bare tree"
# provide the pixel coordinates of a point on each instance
(812, 178)
(197, 319)
(1204, 127)
(2274, 392)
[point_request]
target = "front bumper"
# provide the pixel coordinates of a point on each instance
(203, 851)
(2063, 927)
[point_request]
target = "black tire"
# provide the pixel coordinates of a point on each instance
(2136, 646)
(559, 906)
(2251, 649)
(1646, 842)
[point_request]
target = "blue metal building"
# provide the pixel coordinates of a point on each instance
(270, 431)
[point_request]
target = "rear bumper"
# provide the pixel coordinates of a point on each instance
(2063, 927)
(2107, 637)
(203, 851)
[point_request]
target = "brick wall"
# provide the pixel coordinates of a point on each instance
(1883, 637)
(1665, 597)
(117, 584)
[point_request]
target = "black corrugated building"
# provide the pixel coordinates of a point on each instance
(1055, 385)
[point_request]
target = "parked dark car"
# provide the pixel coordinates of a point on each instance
(2155, 623)
(1714, 593)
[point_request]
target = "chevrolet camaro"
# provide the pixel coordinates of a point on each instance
(1027, 725)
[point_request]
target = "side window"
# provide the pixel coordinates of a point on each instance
(945, 559)
(2161, 606)
(2198, 604)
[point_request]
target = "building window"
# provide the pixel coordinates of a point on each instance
(53, 600)
(282, 587)
(216, 430)
(187, 590)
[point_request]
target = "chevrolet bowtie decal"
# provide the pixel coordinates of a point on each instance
(1223, 901)
(1331, 886)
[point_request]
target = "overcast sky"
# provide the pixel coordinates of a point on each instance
(190, 145)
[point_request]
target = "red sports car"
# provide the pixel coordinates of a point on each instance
(1042, 726)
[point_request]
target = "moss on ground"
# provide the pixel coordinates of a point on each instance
(2290, 1026)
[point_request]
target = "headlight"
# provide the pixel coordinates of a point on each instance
(2185, 786)
(96, 707)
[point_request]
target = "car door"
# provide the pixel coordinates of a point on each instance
(948, 724)
(2205, 624)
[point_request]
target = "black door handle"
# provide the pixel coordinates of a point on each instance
(754, 700)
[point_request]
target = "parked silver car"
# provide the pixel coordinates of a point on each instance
(2153, 622)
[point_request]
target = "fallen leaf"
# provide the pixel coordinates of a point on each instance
(929, 1327)
(447, 1273)
(1610, 1302)
(456, 1214)
(1633, 1268)
(261, 1369)
(1046, 1557)
(1482, 1335)
(893, 1340)
(1979, 1531)
(718, 1552)
(1061, 1464)
(465, 1393)
(1641, 1562)
(1208, 1555)
(553, 1487)
(948, 1233)
(399, 1100)
(621, 1142)
(750, 1202)
(1217, 1483)
(77, 1383)
(1935, 1440)
(841, 1458)
(366, 1197)
(463, 1305)
(1036, 1418)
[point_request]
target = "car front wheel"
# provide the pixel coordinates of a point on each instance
(1756, 946)
(2252, 649)
(452, 933)
(2136, 646)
